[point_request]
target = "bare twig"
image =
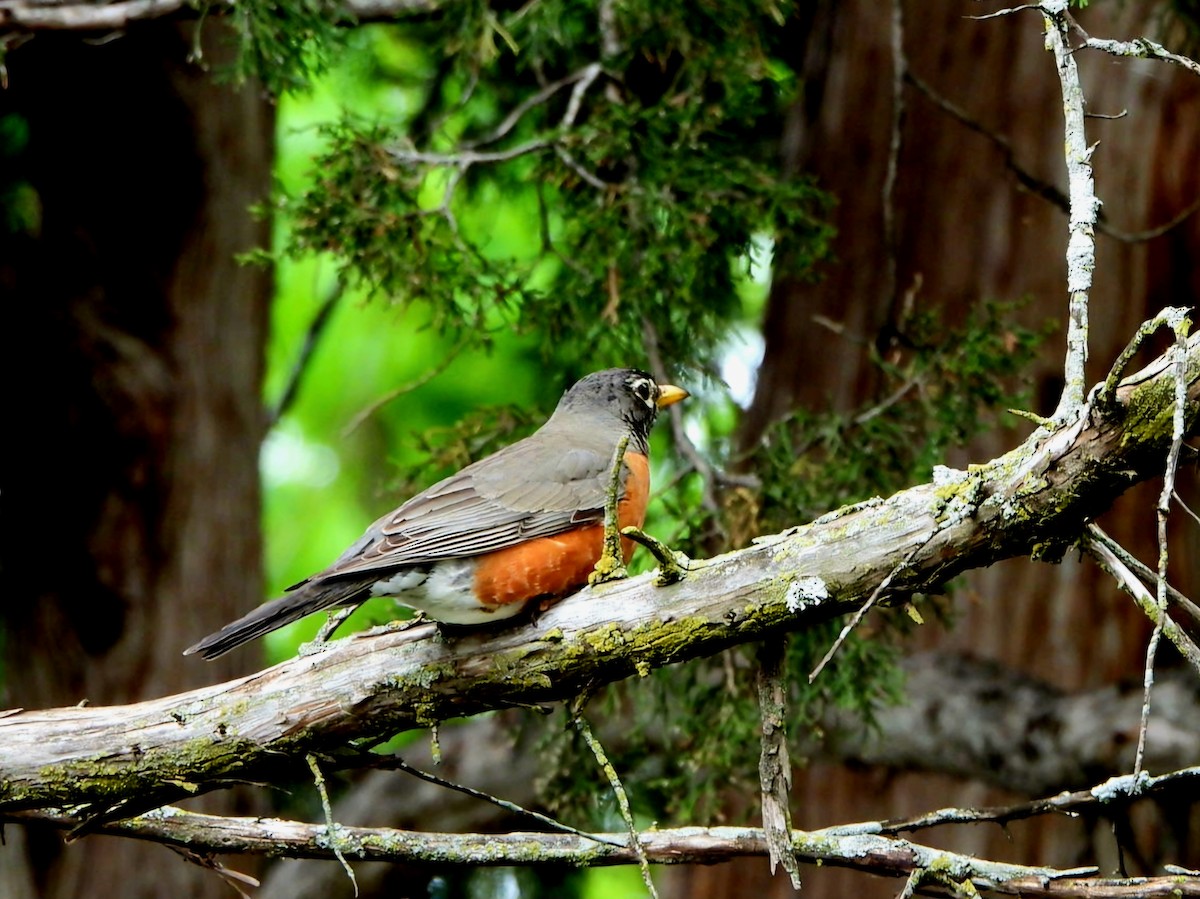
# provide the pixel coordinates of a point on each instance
(570, 162)
(622, 798)
(1172, 317)
(332, 835)
(866, 607)
(1141, 48)
(711, 475)
(465, 158)
(1037, 186)
(580, 78)
(1007, 12)
(1185, 507)
(1144, 573)
(393, 762)
(611, 564)
(420, 381)
(54, 15)
(311, 337)
(1163, 625)
(1163, 510)
(1118, 789)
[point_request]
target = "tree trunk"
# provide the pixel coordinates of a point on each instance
(135, 364)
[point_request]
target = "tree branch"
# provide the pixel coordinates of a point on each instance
(28, 16)
(126, 759)
(949, 723)
(856, 847)
(1081, 246)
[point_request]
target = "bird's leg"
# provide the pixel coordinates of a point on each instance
(611, 564)
(672, 566)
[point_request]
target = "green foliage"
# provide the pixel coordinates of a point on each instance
(531, 192)
(941, 387)
(284, 44)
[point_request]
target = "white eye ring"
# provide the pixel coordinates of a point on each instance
(644, 390)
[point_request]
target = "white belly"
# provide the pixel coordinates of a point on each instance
(443, 594)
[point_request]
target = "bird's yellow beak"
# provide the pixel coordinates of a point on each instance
(669, 395)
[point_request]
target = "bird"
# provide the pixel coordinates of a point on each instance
(524, 525)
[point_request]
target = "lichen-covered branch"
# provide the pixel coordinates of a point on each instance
(1081, 245)
(855, 847)
(1142, 48)
(125, 759)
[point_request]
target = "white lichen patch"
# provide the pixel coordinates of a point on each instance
(944, 476)
(1121, 787)
(804, 592)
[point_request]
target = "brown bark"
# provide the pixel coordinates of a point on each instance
(966, 232)
(136, 359)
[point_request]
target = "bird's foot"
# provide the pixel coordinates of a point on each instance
(672, 566)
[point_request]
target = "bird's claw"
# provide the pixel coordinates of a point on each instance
(672, 566)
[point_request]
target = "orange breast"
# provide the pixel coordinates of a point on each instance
(554, 566)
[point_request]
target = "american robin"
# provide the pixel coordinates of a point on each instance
(522, 525)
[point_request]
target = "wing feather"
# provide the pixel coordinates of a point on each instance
(534, 491)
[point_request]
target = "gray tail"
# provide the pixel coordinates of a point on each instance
(307, 598)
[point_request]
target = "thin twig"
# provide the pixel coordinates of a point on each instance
(1145, 573)
(1141, 48)
(709, 473)
(300, 367)
(463, 159)
(1170, 317)
(1179, 352)
(393, 762)
(858, 849)
(584, 76)
(614, 781)
(1035, 185)
(565, 155)
(611, 564)
(588, 75)
(331, 827)
(416, 383)
(1180, 784)
(1185, 507)
(1007, 12)
(1163, 625)
(866, 607)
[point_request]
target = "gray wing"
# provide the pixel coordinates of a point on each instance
(526, 490)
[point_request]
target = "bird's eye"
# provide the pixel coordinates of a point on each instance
(644, 390)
